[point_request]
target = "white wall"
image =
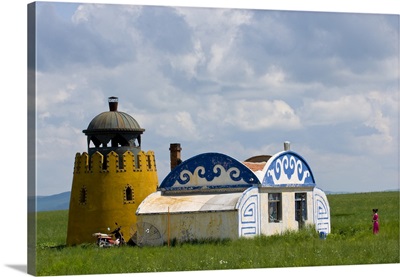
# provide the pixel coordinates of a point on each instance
(194, 225)
(288, 221)
(251, 217)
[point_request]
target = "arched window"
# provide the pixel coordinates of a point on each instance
(128, 195)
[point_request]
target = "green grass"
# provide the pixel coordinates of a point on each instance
(351, 242)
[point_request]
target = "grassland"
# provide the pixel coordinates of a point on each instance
(351, 242)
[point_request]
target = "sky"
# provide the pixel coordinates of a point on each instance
(238, 81)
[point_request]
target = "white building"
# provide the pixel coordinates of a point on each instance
(213, 195)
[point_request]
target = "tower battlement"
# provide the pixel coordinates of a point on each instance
(112, 162)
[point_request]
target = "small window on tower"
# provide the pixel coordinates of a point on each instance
(148, 162)
(83, 196)
(128, 195)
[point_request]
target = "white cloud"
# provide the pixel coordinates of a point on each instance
(185, 121)
(257, 115)
(384, 119)
(348, 108)
(56, 142)
(233, 81)
(274, 76)
(188, 63)
(215, 33)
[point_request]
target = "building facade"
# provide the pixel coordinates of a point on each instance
(215, 196)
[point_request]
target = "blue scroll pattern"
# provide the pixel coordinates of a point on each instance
(288, 169)
(218, 176)
(209, 170)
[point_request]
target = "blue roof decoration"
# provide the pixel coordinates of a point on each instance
(288, 169)
(209, 171)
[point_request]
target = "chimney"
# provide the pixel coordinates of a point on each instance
(113, 103)
(286, 145)
(175, 154)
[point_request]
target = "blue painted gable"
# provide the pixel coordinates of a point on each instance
(209, 171)
(288, 169)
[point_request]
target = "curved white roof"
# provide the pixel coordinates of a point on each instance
(156, 203)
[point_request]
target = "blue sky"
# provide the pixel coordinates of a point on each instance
(230, 80)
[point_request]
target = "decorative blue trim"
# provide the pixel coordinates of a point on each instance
(248, 231)
(322, 219)
(248, 213)
(322, 210)
(209, 171)
(288, 169)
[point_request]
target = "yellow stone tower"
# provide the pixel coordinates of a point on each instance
(111, 179)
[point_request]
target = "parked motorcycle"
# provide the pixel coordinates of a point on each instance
(119, 236)
(106, 240)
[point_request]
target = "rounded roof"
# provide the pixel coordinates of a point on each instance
(209, 171)
(288, 169)
(113, 121)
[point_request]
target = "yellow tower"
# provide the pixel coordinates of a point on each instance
(111, 179)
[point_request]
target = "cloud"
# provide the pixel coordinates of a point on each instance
(348, 108)
(89, 39)
(165, 30)
(179, 125)
(239, 82)
(248, 115)
(215, 34)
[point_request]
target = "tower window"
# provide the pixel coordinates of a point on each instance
(128, 195)
(148, 162)
(83, 196)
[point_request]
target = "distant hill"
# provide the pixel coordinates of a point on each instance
(53, 202)
(335, 192)
(61, 201)
(327, 192)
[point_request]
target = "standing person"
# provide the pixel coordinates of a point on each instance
(375, 222)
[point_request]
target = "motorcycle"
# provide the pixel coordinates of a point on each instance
(119, 236)
(106, 240)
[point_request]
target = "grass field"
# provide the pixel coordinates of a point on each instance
(351, 242)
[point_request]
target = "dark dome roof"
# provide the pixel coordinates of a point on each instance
(113, 121)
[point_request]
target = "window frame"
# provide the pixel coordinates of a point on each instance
(297, 200)
(275, 207)
(83, 197)
(131, 199)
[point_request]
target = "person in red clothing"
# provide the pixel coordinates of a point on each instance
(375, 222)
